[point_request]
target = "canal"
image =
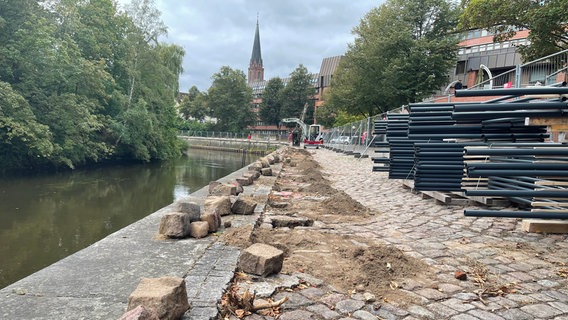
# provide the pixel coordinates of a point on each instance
(44, 218)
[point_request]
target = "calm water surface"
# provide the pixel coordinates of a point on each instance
(46, 218)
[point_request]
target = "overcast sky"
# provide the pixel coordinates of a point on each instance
(216, 33)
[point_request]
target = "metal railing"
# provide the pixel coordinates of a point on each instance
(234, 135)
(544, 71)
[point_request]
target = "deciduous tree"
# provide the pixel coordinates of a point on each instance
(401, 54)
(272, 102)
(194, 105)
(298, 94)
(546, 21)
(229, 99)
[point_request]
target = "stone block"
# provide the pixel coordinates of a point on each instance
(261, 259)
(175, 225)
(213, 185)
(244, 205)
(189, 207)
(213, 219)
(244, 181)
(223, 189)
(166, 295)
(255, 166)
(140, 313)
(264, 161)
(219, 204)
(266, 171)
(199, 229)
(253, 174)
(270, 159)
(239, 188)
(276, 157)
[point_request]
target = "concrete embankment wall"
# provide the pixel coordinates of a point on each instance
(260, 147)
(95, 282)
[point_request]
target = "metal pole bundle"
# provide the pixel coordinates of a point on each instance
(532, 175)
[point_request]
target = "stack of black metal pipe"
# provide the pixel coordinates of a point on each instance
(533, 175)
(427, 146)
(381, 158)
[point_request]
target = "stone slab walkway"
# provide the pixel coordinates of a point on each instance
(445, 239)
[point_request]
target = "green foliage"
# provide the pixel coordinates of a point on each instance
(401, 54)
(326, 116)
(24, 142)
(272, 102)
(298, 92)
(194, 105)
(91, 84)
(546, 21)
(229, 100)
(192, 125)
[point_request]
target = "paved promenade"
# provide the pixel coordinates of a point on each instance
(531, 268)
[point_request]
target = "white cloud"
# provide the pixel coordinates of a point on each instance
(216, 33)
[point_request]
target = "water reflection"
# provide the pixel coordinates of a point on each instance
(45, 218)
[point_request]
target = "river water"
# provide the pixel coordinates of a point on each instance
(45, 218)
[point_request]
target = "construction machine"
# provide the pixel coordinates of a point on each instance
(311, 135)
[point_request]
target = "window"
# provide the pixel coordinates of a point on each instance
(460, 67)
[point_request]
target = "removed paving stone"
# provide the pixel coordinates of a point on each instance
(220, 204)
(191, 208)
(199, 229)
(222, 189)
(261, 259)
(244, 205)
(175, 225)
(167, 296)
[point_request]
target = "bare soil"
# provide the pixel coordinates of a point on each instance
(345, 261)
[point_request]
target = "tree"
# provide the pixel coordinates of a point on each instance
(194, 105)
(229, 99)
(149, 27)
(401, 54)
(272, 102)
(546, 21)
(298, 94)
(97, 83)
(23, 140)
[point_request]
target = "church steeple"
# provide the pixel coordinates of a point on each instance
(256, 70)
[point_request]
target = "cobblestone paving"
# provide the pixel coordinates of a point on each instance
(444, 238)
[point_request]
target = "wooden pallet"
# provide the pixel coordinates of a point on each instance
(447, 198)
(458, 198)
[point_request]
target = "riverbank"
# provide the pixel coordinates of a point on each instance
(252, 146)
(95, 282)
(45, 218)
